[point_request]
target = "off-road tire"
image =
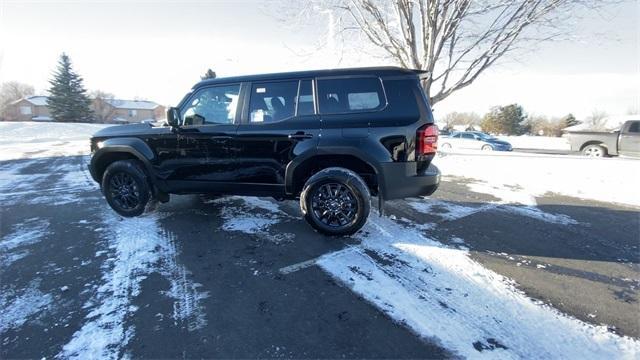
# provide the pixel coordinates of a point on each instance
(354, 192)
(131, 174)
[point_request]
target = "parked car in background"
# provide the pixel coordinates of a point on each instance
(474, 140)
(600, 144)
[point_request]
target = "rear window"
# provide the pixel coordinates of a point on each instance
(337, 96)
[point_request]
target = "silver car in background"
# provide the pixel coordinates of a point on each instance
(473, 140)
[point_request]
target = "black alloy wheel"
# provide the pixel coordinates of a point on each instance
(126, 187)
(124, 191)
(334, 205)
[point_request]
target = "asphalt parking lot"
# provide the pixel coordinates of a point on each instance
(243, 277)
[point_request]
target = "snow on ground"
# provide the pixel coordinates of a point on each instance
(13, 246)
(441, 293)
(537, 142)
(437, 291)
(132, 249)
(607, 180)
(20, 140)
(18, 305)
(137, 247)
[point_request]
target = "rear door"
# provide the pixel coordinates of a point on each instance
(279, 122)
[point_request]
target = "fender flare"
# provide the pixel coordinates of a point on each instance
(134, 146)
(350, 151)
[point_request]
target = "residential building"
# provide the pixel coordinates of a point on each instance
(128, 111)
(34, 108)
(30, 108)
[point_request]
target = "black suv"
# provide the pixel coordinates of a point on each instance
(332, 138)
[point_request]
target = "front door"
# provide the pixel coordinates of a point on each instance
(629, 141)
(279, 123)
(203, 154)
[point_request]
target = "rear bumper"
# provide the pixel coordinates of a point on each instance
(402, 181)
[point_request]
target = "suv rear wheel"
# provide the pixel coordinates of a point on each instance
(336, 201)
(125, 186)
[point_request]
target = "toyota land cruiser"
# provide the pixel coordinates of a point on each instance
(330, 138)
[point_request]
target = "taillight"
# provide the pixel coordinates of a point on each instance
(427, 140)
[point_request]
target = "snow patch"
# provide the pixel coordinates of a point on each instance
(137, 248)
(16, 309)
(240, 214)
(540, 174)
(440, 292)
(445, 209)
(25, 233)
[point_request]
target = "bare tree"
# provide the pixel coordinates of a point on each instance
(455, 40)
(12, 91)
(102, 107)
(597, 121)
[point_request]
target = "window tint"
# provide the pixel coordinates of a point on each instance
(213, 105)
(271, 102)
(350, 95)
(634, 127)
(305, 98)
(468, 136)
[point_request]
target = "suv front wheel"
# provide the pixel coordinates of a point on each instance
(125, 186)
(336, 201)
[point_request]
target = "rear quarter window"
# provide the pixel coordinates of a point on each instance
(350, 95)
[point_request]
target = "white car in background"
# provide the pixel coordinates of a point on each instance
(473, 140)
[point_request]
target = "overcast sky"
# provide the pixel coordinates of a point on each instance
(157, 51)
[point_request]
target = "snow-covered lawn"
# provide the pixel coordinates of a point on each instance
(537, 142)
(19, 140)
(610, 180)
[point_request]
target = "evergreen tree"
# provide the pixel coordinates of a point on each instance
(506, 120)
(68, 100)
(570, 120)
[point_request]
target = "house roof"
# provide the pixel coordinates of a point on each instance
(35, 100)
(132, 104)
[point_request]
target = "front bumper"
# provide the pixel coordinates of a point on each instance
(401, 180)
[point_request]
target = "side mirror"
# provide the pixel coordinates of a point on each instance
(173, 117)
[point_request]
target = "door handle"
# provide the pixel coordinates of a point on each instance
(300, 136)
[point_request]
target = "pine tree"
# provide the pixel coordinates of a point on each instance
(210, 74)
(68, 100)
(570, 120)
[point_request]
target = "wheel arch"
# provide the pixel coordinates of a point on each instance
(594, 142)
(298, 172)
(122, 149)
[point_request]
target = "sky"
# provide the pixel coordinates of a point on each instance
(158, 50)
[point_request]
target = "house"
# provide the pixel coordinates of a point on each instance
(30, 108)
(34, 108)
(128, 111)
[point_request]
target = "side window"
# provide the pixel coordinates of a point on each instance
(271, 102)
(468, 136)
(305, 98)
(212, 105)
(634, 127)
(350, 95)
